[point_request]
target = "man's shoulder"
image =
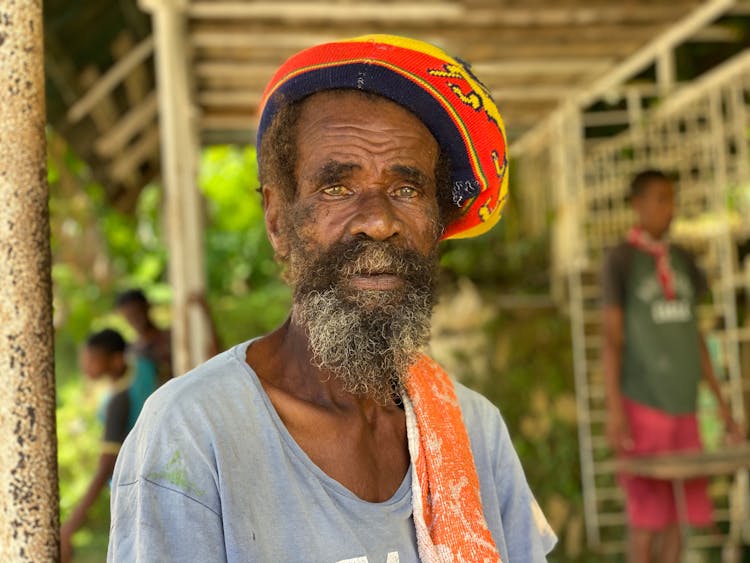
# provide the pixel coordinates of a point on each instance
(477, 410)
(188, 412)
(217, 378)
(118, 401)
(620, 252)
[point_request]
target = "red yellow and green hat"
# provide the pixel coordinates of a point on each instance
(439, 89)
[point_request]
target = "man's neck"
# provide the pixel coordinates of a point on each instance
(655, 236)
(149, 333)
(355, 440)
(119, 374)
(283, 360)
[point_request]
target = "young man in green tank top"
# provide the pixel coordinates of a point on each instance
(654, 357)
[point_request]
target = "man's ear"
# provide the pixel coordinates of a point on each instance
(273, 207)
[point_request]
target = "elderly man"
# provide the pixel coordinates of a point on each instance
(334, 439)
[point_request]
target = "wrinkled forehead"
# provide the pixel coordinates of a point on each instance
(657, 188)
(342, 111)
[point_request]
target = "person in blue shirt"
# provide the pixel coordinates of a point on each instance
(132, 379)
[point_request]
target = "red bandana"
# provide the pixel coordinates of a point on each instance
(660, 251)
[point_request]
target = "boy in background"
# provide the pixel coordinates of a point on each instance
(103, 356)
(153, 342)
(654, 357)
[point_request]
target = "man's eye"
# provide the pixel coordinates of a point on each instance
(336, 190)
(406, 191)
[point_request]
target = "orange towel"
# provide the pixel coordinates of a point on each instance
(448, 513)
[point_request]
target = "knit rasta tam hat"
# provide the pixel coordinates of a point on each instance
(439, 89)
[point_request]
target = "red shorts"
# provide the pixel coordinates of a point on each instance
(650, 502)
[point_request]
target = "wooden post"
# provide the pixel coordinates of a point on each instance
(179, 156)
(665, 72)
(29, 506)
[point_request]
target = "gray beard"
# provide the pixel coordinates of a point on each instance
(366, 339)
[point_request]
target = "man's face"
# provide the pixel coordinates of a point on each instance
(96, 363)
(366, 166)
(655, 207)
(360, 239)
(136, 313)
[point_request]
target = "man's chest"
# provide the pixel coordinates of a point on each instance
(366, 455)
(278, 506)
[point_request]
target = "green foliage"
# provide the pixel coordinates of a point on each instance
(245, 290)
(239, 259)
(504, 258)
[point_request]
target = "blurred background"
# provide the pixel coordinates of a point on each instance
(152, 113)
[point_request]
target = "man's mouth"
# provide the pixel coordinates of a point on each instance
(376, 281)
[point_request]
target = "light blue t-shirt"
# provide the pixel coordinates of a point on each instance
(210, 473)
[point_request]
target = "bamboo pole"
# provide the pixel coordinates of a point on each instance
(180, 150)
(28, 457)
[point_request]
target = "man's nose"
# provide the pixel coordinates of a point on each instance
(375, 218)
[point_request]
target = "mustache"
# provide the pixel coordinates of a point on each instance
(364, 256)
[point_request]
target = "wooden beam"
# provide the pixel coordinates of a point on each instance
(126, 165)
(532, 47)
(531, 93)
(295, 35)
(239, 71)
(110, 80)
(129, 125)
(634, 103)
(563, 65)
(741, 8)
(727, 71)
(430, 13)
(206, 38)
(586, 15)
(137, 83)
(606, 118)
(326, 11)
(230, 98)
(665, 71)
(674, 36)
(104, 112)
(179, 159)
